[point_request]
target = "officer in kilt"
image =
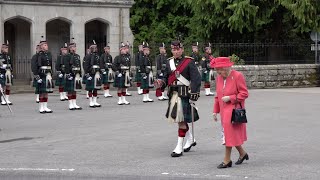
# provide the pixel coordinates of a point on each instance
(93, 74)
(161, 61)
(60, 69)
(107, 72)
(122, 74)
(33, 62)
(84, 78)
(73, 76)
(5, 73)
(43, 76)
(207, 71)
(138, 59)
(128, 56)
(196, 55)
(184, 81)
(146, 73)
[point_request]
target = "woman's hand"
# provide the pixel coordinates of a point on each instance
(225, 99)
(215, 118)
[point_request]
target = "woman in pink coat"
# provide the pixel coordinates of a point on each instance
(231, 89)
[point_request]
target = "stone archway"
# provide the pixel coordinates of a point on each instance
(17, 32)
(57, 33)
(96, 29)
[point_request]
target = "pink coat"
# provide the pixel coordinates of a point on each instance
(235, 134)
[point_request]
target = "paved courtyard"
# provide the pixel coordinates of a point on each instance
(135, 141)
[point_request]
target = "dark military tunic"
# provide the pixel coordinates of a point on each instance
(192, 74)
(72, 68)
(91, 66)
(197, 58)
(34, 68)
(146, 72)
(106, 65)
(121, 65)
(205, 64)
(5, 64)
(161, 61)
(60, 68)
(41, 67)
(138, 60)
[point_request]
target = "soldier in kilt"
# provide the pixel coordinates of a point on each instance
(128, 56)
(60, 69)
(84, 78)
(196, 55)
(207, 71)
(5, 73)
(73, 76)
(107, 72)
(138, 59)
(146, 73)
(43, 74)
(184, 81)
(33, 62)
(122, 74)
(93, 74)
(161, 61)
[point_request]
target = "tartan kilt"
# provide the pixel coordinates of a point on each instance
(138, 77)
(60, 81)
(69, 85)
(105, 78)
(205, 77)
(90, 85)
(41, 87)
(187, 111)
(3, 81)
(119, 82)
(84, 80)
(144, 84)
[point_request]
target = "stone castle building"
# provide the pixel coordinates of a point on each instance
(23, 22)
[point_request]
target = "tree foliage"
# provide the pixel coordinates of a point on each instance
(217, 20)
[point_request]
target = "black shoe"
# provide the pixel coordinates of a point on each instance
(188, 149)
(93, 106)
(78, 108)
(37, 101)
(223, 165)
(240, 160)
(71, 109)
(48, 111)
(62, 99)
(97, 105)
(42, 112)
(173, 154)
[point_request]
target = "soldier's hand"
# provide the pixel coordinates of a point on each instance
(161, 74)
(104, 72)
(215, 116)
(70, 78)
(39, 81)
(89, 78)
(205, 72)
(1, 75)
(120, 75)
(60, 75)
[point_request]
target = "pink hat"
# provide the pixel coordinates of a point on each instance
(221, 62)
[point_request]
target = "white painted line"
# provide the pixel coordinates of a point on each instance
(224, 176)
(165, 173)
(35, 169)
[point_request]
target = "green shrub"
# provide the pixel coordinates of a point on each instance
(236, 60)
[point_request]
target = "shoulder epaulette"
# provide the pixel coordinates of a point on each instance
(170, 58)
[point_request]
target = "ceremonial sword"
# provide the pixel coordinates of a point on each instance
(5, 100)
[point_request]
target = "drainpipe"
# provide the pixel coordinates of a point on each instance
(120, 25)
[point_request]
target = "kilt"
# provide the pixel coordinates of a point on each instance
(3, 80)
(105, 78)
(60, 81)
(184, 106)
(145, 83)
(90, 85)
(69, 86)
(205, 77)
(41, 87)
(138, 77)
(119, 82)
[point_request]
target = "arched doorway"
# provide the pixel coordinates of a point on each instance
(57, 33)
(96, 30)
(17, 32)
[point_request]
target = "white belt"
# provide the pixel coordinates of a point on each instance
(109, 64)
(148, 67)
(76, 69)
(124, 67)
(45, 67)
(95, 66)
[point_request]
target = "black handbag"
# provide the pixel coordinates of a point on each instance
(238, 115)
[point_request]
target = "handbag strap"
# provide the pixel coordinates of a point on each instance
(235, 105)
